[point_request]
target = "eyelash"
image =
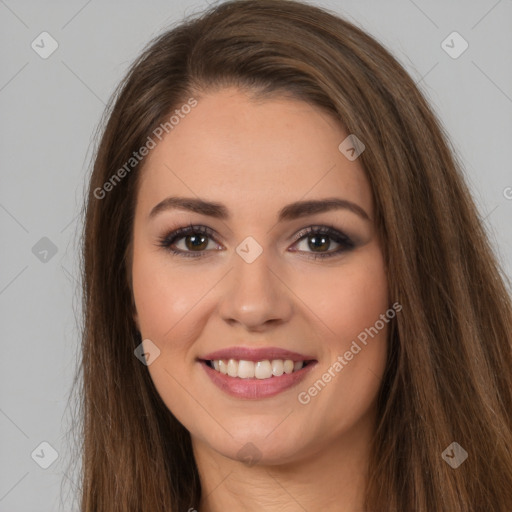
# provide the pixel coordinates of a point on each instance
(345, 242)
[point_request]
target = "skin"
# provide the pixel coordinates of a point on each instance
(255, 157)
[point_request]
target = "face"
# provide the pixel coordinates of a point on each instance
(280, 281)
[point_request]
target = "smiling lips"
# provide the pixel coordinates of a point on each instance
(256, 373)
(260, 369)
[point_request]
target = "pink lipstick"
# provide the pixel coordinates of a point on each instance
(255, 373)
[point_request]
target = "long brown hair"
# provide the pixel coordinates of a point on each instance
(448, 376)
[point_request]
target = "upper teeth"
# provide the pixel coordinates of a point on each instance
(260, 369)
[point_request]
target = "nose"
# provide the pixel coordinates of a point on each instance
(255, 295)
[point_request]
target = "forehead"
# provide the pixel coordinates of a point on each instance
(242, 151)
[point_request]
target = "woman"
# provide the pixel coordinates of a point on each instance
(290, 302)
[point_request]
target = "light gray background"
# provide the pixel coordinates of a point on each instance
(50, 109)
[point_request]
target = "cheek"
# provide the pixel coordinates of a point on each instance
(345, 301)
(349, 303)
(170, 306)
(165, 297)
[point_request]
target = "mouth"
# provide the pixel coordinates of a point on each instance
(262, 370)
(256, 373)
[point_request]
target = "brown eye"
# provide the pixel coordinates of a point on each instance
(318, 242)
(319, 238)
(194, 241)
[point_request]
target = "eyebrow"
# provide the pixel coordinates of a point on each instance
(287, 213)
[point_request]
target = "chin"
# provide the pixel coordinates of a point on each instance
(259, 441)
